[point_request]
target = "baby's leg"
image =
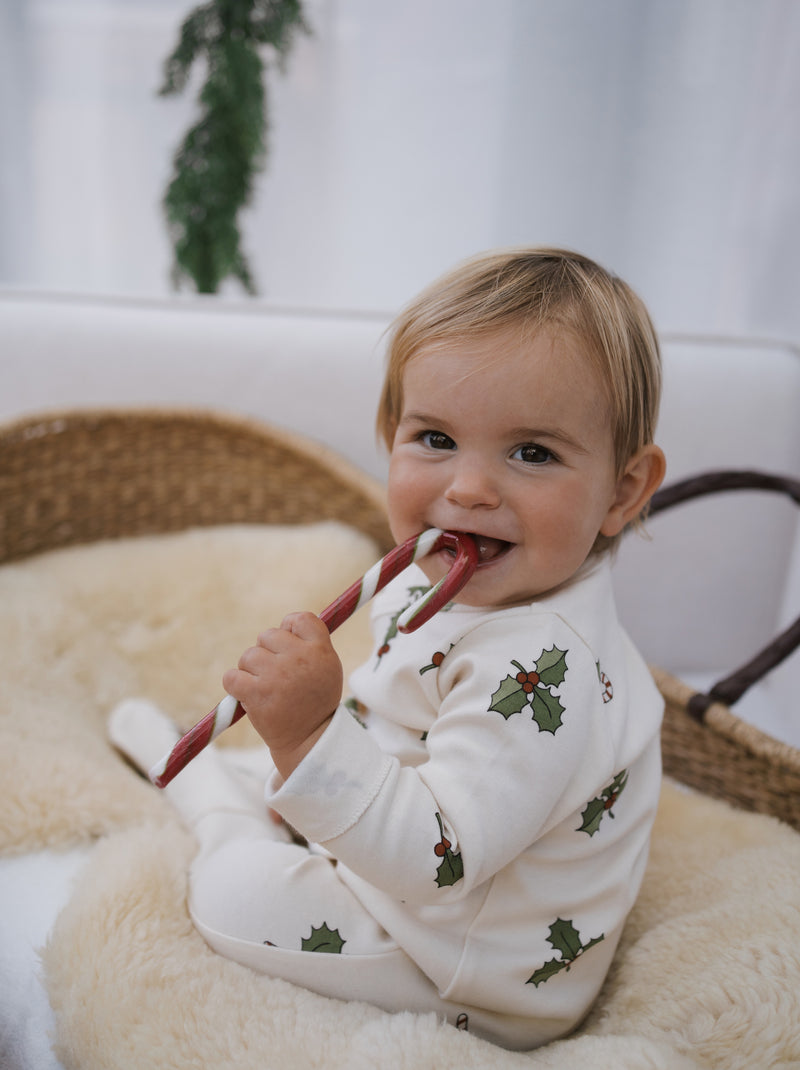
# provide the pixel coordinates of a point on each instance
(207, 792)
(249, 888)
(282, 910)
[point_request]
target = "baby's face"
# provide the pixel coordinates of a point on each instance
(508, 439)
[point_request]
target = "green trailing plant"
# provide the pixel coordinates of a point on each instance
(216, 163)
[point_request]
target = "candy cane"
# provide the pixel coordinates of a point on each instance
(228, 711)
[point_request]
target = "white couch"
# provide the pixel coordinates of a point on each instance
(717, 579)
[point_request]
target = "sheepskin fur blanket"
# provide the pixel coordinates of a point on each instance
(707, 974)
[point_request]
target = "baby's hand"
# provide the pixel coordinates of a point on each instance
(290, 683)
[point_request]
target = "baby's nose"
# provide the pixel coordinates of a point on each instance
(473, 485)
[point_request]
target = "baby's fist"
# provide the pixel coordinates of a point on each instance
(290, 683)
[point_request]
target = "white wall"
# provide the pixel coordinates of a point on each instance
(658, 135)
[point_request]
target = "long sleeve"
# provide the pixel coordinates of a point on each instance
(506, 760)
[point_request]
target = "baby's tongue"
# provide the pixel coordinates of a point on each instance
(489, 548)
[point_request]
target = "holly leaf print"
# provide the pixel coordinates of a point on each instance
(451, 868)
(552, 666)
(509, 698)
(596, 809)
(450, 871)
(323, 939)
(413, 593)
(593, 815)
(533, 688)
(544, 973)
(547, 709)
(564, 937)
(356, 709)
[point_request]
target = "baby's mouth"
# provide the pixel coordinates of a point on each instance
(489, 549)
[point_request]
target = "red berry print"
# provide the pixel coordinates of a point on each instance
(529, 680)
(437, 658)
(534, 690)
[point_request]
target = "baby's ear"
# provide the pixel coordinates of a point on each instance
(635, 487)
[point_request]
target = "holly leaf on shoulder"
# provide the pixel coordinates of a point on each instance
(552, 666)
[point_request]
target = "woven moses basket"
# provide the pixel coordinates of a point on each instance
(78, 477)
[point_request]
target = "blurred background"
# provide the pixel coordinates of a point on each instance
(658, 136)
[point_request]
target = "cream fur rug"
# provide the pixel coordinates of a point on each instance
(708, 972)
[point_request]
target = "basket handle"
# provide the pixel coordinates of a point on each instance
(732, 687)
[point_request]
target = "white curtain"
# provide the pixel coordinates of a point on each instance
(660, 136)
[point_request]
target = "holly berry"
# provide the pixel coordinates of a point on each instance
(383, 650)
(436, 660)
(529, 680)
(441, 848)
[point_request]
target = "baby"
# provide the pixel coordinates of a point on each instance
(478, 815)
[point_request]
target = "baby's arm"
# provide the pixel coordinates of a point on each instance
(290, 684)
(488, 786)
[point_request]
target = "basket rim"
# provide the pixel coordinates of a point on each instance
(27, 426)
(269, 441)
(721, 719)
(332, 458)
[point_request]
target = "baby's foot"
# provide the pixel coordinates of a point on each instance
(141, 732)
(206, 791)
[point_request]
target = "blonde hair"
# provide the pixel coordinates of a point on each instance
(533, 289)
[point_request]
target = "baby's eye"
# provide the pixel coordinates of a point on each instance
(530, 453)
(437, 440)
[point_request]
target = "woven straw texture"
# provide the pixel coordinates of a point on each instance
(727, 758)
(704, 743)
(77, 477)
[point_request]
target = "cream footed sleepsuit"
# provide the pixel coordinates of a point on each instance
(484, 820)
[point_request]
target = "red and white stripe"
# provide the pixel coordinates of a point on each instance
(375, 579)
